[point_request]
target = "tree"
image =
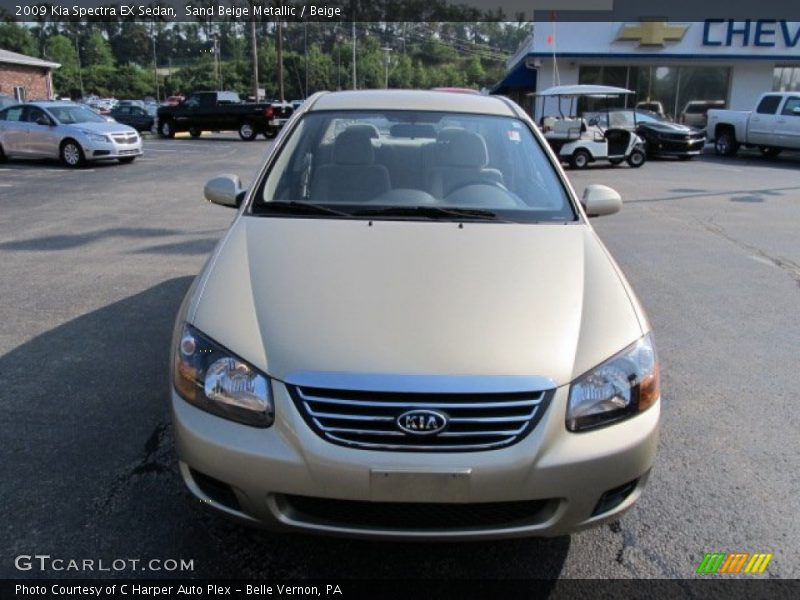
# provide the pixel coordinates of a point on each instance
(97, 51)
(16, 38)
(60, 49)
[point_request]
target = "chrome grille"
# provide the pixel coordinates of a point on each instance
(368, 419)
(125, 138)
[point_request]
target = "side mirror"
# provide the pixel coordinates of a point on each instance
(601, 200)
(796, 110)
(225, 190)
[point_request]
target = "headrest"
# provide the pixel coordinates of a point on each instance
(463, 148)
(412, 130)
(367, 128)
(353, 147)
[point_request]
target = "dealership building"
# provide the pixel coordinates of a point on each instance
(670, 63)
(26, 77)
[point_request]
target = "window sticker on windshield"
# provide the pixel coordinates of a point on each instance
(514, 136)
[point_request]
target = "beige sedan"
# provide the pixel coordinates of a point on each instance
(411, 330)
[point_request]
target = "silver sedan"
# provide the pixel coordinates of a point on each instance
(69, 132)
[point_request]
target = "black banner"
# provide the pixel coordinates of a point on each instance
(393, 10)
(416, 589)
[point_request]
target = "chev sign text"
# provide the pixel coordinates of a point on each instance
(763, 33)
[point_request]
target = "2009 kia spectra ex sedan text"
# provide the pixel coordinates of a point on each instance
(412, 331)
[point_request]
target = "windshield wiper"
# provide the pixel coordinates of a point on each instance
(428, 212)
(298, 208)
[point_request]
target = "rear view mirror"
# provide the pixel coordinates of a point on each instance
(225, 190)
(601, 200)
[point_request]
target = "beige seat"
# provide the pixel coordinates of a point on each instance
(352, 176)
(460, 159)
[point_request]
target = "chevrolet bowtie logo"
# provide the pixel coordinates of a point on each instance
(651, 33)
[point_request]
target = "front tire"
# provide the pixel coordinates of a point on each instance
(166, 129)
(636, 158)
(247, 132)
(580, 159)
(726, 144)
(71, 154)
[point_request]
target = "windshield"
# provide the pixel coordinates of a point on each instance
(69, 115)
(623, 118)
(414, 164)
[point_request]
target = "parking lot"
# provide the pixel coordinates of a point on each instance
(96, 262)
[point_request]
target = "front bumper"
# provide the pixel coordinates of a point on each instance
(95, 150)
(677, 147)
(258, 475)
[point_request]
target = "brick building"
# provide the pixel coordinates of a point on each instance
(25, 77)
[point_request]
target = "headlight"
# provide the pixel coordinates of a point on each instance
(211, 378)
(624, 385)
(95, 137)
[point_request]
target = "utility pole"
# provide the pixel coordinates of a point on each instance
(80, 71)
(155, 62)
(254, 56)
(387, 60)
(217, 70)
(305, 52)
(280, 62)
(355, 79)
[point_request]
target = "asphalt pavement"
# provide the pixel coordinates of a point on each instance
(95, 263)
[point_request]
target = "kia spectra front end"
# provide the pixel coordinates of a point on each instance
(412, 331)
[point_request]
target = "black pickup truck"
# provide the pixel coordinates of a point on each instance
(222, 111)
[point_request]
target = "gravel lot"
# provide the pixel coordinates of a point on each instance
(96, 261)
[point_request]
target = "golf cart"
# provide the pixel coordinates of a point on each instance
(582, 139)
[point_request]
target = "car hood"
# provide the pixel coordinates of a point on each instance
(103, 128)
(669, 127)
(411, 297)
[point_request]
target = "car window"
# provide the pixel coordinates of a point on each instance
(768, 105)
(13, 114)
(192, 102)
(122, 110)
(69, 115)
(33, 114)
(791, 104)
(354, 160)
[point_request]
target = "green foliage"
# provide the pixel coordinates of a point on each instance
(117, 57)
(16, 38)
(97, 51)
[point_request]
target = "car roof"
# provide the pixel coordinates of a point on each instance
(412, 100)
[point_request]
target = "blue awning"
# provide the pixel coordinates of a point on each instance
(519, 78)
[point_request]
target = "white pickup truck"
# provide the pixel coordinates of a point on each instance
(772, 127)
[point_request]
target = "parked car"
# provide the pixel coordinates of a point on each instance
(221, 111)
(6, 101)
(413, 336)
(695, 113)
(139, 103)
(774, 126)
(173, 100)
(662, 137)
(135, 116)
(70, 132)
(652, 106)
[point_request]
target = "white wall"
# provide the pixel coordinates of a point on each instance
(749, 80)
